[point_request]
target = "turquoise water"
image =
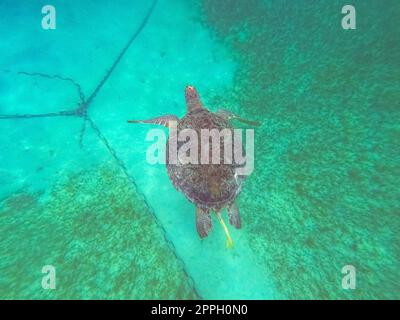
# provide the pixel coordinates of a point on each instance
(77, 193)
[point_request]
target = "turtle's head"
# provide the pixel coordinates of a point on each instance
(192, 99)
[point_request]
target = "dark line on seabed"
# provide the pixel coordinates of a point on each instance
(119, 57)
(84, 104)
(77, 85)
(81, 111)
(42, 115)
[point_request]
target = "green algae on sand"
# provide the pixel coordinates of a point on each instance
(98, 234)
(324, 193)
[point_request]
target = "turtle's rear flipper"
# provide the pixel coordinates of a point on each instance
(163, 120)
(227, 115)
(203, 222)
(234, 216)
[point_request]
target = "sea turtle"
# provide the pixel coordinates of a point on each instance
(211, 187)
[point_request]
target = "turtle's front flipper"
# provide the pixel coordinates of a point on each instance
(231, 116)
(203, 222)
(234, 216)
(163, 120)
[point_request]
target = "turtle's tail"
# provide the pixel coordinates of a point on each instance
(229, 242)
